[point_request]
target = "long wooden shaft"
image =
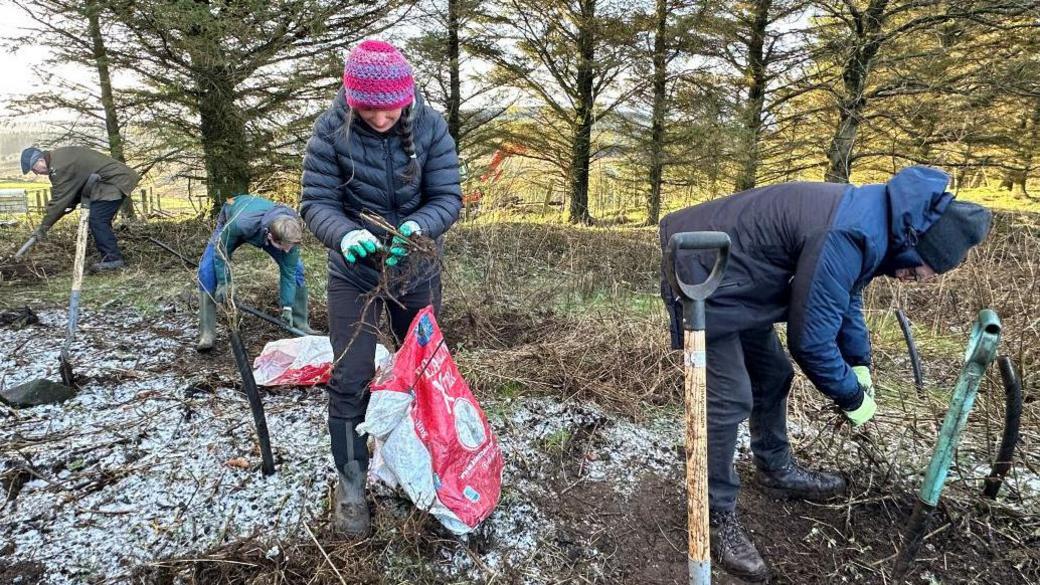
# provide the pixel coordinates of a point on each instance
(77, 276)
(697, 457)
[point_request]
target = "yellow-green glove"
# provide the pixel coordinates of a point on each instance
(868, 408)
(865, 411)
(863, 377)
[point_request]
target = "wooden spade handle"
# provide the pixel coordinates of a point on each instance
(697, 457)
(81, 248)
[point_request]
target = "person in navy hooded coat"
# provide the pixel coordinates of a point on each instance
(802, 253)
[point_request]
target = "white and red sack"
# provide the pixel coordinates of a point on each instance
(299, 361)
(432, 437)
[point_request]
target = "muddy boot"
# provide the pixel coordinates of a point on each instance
(107, 265)
(350, 515)
(795, 481)
(733, 550)
(207, 322)
(299, 312)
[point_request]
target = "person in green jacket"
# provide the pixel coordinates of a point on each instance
(275, 229)
(79, 173)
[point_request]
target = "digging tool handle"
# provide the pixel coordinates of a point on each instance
(187, 262)
(77, 283)
(911, 348)
(694, 295)
(270, 319)
(28, 245)
(982, 347)
(1012, 422)
(255, 404)
(695, 368)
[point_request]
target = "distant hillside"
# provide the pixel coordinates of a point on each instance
(14, 136)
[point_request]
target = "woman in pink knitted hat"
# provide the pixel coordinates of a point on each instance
(381, 150)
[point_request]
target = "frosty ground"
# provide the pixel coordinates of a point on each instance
(155, 461)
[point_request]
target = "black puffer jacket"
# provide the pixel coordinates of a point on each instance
(345, 173)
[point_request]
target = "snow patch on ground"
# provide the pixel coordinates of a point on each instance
(135, 468)
(132, 469)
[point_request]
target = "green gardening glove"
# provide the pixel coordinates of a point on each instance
(287, 316)
(399, 244)
(868, 408)
(358, 244)
(865, 411)
(863, 377)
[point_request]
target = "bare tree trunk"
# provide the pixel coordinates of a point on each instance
(454, 90)
(108, 102)
(1030, 151)
(653, 210)
(855, 77)
(581, 153)
(756, 76)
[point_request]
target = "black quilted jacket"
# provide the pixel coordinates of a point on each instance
(345, 173)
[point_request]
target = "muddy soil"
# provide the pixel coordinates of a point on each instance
(802, 542)
(611, 533)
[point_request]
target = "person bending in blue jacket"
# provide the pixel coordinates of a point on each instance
(802, 253)
(275, 229)
(378, 149)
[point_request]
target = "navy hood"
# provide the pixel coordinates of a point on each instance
(917, 197)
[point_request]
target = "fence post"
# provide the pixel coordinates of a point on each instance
(548, 196)
(39, 200)
(158, 200)
(144, 202)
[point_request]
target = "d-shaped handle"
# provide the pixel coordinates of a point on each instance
(697, 241)
(694, 295)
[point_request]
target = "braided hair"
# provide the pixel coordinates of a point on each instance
(411, 172)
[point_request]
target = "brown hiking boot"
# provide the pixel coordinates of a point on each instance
(733, 550)
(350, 515)
(795, 481)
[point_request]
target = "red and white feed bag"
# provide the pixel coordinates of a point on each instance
(432, 437)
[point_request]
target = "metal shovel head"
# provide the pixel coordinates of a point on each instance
(35, 393)
(65, 368)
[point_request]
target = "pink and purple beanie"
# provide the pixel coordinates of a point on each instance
(376, 76)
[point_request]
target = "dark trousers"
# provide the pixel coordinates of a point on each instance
(352, 329)
(101, 215)
(749, 375)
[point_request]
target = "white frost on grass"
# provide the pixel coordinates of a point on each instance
(131, 470)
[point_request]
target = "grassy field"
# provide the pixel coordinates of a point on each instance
(24, 184)
(1002, 199)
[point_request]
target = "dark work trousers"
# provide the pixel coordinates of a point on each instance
(749, 375)
(353, 337)
(101, 215)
